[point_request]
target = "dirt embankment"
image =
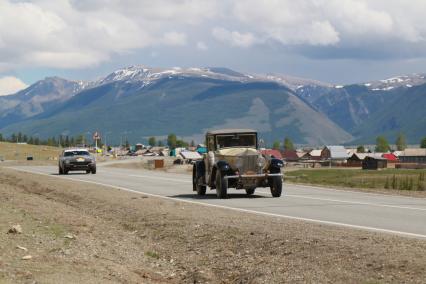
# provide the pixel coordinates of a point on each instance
(82, 233)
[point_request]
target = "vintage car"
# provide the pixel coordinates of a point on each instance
(76, 160)
(234, 161)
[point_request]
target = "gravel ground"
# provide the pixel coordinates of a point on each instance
(83, 233)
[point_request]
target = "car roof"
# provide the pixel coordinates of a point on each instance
(230, 131)
(76, 149)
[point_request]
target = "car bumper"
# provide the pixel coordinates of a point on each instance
(257, 176)
(74, 167)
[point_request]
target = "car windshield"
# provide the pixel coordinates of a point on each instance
(76, 153)
(236, 140)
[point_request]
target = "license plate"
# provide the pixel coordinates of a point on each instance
(80, 159)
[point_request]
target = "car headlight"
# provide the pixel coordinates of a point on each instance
(261, 162)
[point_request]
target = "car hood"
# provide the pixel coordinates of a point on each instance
(235, 152)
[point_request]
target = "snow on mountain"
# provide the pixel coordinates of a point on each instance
(406, 81)
(147, 75)
(293, 83)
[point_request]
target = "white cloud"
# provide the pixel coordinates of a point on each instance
(201, 45)
(77, 34)
(234, 38)
(174, 38)
(10, 85)
(84, 33)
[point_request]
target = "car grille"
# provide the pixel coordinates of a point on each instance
(75, 163)
(247, 164)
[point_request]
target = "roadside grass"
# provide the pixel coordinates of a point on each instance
(397, 179)
(14, 151)
(152, 254)
(57, 230)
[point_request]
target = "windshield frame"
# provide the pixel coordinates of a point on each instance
(236, 134)
(76, 153)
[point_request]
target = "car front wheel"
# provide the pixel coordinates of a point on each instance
(276, 185)
(221, 185)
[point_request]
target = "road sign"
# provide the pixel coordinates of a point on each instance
(96, 136)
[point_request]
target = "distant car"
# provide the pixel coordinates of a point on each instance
(76, 160)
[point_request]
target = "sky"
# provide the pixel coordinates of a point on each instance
(335, 41)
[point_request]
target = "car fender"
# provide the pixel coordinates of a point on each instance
(200, 168)
(275, 165)
(223, 166)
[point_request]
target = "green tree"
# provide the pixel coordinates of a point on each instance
(360, 149)
(423, 143)
(171, 140)
(400, 142)
(67, 141)
(152, 141)
(288, 144)
(181, 143)
(382, 145)
(276, 145)
(1, 137)
(79, 139)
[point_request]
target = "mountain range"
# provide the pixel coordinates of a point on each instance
(139, 102)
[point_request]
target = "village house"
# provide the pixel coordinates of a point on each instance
(272, 153)
(374, 163)
(415, 156)
(336, 154)
(312, 155)
(290, 156)
(356, 159)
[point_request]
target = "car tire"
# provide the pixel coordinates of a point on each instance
(61, 172)
(276, 185)
(94, 171)
(250, 191)
(200, 189)
(221, 185)
(65, 171)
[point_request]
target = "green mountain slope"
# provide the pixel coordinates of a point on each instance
(405, 113)
(187, 106)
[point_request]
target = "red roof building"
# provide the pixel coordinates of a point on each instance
(290, 156)
(390, 157)
(271, 152)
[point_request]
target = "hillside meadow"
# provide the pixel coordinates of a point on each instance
(14, 151)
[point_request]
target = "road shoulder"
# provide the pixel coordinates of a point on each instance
(121, 236)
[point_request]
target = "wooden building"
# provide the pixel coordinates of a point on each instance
(415, 156)
(374, 163)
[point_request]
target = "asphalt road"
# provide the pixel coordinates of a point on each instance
(375, 212)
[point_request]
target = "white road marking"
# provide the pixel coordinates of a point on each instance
(294, 195)
(375, 229)
(352, 191)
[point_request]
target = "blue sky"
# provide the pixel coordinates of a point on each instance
(337, 41)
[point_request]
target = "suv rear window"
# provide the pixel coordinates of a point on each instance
(76, 153)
